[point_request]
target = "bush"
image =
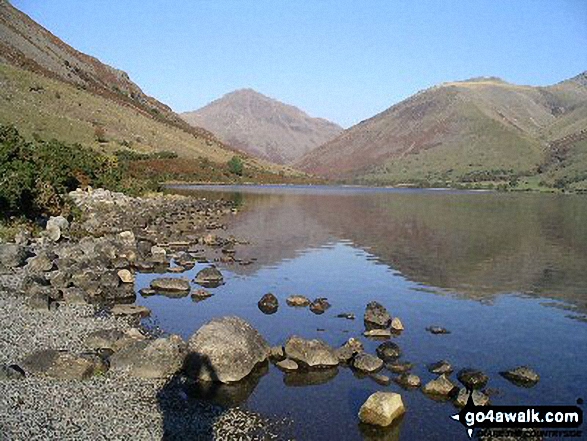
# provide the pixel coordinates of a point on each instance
(235, 166)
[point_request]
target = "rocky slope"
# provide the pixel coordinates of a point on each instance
(479, 129)
(263, 127)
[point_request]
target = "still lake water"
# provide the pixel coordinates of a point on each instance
(505, 273)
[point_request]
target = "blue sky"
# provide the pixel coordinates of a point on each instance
(341, 60)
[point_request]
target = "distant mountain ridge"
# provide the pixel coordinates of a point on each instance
(262, 126)
(481, 129)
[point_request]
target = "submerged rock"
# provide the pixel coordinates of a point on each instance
(382, 408)
(209, 277)
(132, 310)
(313, 377)
(408, 381)
(312, 353)
(268, 304)
(399, 367)
(522, 376)
(225, 349)
(376, 316)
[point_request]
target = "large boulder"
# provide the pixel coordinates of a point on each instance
(376, 316)
(225, 349)
(170, 284)
(158, 358)
(312, 353)
(382, 408)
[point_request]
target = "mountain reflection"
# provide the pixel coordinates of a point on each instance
(475, 244)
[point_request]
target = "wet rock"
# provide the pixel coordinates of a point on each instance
(399, 367)
(472, 378)
(442, 386)
(63, 365)
(437, 330)
(200, 294)
(11, 372)
(12, 255)
(522, 376)
(225, 349)
(346, 315)
(209, 277)
(382, 408)
(178, 269)
(158, 358)
(313, 377)
(287, 365)
(397, 325)
(146, 292)
(408, 381)
(268, 304)
(298, 301)
(319, 305)
(377, 333)
(158, 254)
(126, 276)
(312, 353)
(440, 367)
(41, 263)
(170, 284)
(388, 351)
(479, 398)
(131, 310)
(381, 379)
(348, 350)
(367, 363)
(376, 316)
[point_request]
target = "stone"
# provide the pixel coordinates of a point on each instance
(160, 358)
(382, 408)
(158, 254)
(408, 381)
(38, 300)
(522, 376)
(442, 386)
(348, 350)
(312, 353)
(112, 339)
(11, 372)
(74, 296)
(171, 284)
(131, 310)
(127, 238)
(12, 255)
(225, 349)
(145, 292)
(55, 227)
(399, 367)
(268, 304)
(209, 277)
(178, 269)
(377, 333)
(200, 294)
(437, 330)
(319, 305)
(287, 365)
(381, 379)
(60, 279)
(63, 365)
(41, 263)
(126, 276)
(376, 316)
(346, 315)
(440, 367)
(479, 398)
(388, 351)
(277, 353)
(472, 378)
(397, 325)
(298, 301)
(367, 363)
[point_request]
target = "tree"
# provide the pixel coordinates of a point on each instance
(235, 166)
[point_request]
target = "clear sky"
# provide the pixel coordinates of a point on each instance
(341, 60)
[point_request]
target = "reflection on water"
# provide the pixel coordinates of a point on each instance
(486, 266)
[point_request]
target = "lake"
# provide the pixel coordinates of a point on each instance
(506, 273)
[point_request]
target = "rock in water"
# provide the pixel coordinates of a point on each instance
(437, 330)
(130, 310)
(319, 306)
(408, 381)
(268, 304)
(287, 365)
(440, 367)
(376, 316)
(479, 398)
(397, 325)
(158, 358)
(441, 386)
(367, 363)
(382, 408)
(348, 350)
(522, 376)
(472, 378)
(298, 301)
(126, 276)
(313, 353)
(170, 284)
(225, 349)
(388, 351)
(209, 277)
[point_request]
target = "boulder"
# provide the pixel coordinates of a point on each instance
(170, 284)
(522, 376)
(312, 353)
(440, 367)
(319, 305)
(388, 351)
(367, 363)
(63, 365)
(298, 301)
(287, 365)
(376, 316)
(268, 304)
(209, 277)
(382, 408)
(472, 378)
(12, 255)
(126, 276)
(408, 381)
(158, 358)
(479, 398)
(442, 386)
(225, 349)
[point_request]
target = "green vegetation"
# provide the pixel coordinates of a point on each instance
(235, 165)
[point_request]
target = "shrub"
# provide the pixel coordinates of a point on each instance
(235, 166)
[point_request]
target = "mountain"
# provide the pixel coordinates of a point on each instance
(262, 126)
(50, 90)
(482, 129)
